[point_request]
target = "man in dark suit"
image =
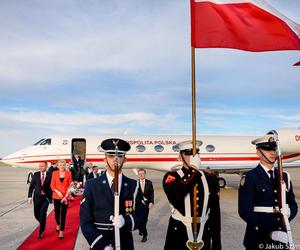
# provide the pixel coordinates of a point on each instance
(77, 168)
(259, 203)
(42, 195)
(52, 168)
(148, 200)
(97, 218)
(94, 173)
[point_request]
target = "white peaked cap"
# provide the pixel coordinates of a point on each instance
(186, 145)
(265, 139)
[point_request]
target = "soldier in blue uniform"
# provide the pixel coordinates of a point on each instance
(179, 187)
(97, 207)
(258, 200)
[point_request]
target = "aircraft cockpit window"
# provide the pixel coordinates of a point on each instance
(159, 148)
(140, 148)
(39, 142)
(46, 142)
(210, 148)
(175, 148)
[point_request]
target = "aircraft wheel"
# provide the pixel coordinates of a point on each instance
(222, 182)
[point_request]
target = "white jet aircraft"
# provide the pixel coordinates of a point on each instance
(222, 154)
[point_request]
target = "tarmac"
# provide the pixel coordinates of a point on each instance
(17, 220)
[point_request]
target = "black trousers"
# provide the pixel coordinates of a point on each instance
(60, 213)
(40, 212)
(143, 228)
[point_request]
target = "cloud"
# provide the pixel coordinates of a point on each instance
(87, 41)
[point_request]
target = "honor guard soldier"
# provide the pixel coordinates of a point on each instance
(97, 207)
(259, 202)
(195, 209)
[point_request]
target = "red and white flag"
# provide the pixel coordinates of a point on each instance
(251, 25)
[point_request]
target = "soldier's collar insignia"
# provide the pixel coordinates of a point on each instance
(243, 180)
(170, 178)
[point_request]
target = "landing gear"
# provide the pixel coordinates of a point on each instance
(222, 182)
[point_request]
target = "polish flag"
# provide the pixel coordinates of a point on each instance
(251, 25)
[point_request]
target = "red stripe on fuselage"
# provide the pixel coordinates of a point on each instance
(172, 159)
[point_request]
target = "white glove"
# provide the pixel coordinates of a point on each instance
(176, 167)
(286, 211)
(280, 236)
(108, 248)
(118, 221)
(195, 161)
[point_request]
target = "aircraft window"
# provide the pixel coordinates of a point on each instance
(38, 143)
(210, 148)
(159, 148)
(140, 148)
(175, 148)
(46, 142)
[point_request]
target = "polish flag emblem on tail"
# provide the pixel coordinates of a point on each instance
(251, 25)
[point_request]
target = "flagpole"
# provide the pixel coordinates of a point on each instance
(194, 122)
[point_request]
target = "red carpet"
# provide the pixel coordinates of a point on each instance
(50, 240)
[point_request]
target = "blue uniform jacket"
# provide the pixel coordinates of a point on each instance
(97, 207)
(257, 189)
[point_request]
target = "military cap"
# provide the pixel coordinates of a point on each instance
(187, 146)
(109, 146)
(267, 142)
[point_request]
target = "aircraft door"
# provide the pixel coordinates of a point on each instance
(79, 148)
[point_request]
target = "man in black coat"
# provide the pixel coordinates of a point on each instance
(188, 190)
(97, 207)
(148, 200)
(77, 168)
(258, 200)
(42, 195)
(94, 173)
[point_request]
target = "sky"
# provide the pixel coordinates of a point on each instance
(113, 67)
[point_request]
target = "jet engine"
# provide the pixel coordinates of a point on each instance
(289, 140)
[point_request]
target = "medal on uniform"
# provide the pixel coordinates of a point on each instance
(128, 206)
(195, 245)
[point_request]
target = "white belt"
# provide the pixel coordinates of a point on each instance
(266, 209)
(186, 219)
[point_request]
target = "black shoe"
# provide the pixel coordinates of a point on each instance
(140, 233)
(144, 239)
(40, 235)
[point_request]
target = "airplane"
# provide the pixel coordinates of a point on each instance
(219, 153)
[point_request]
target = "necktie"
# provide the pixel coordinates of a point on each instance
(42, 183)
(143, 185)
(271, 172)
(112, 187)
(43, 179)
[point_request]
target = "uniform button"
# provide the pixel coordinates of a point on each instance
(184, 179)
(189, 175)
(275, 191)
(193, 170)
(175, 228)
(263, 190)
(256, 228)
(197, 198)
(197, 191)
(279, 228)
(208, 228)
(278, 219)
(197, 205)
(275, 200)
